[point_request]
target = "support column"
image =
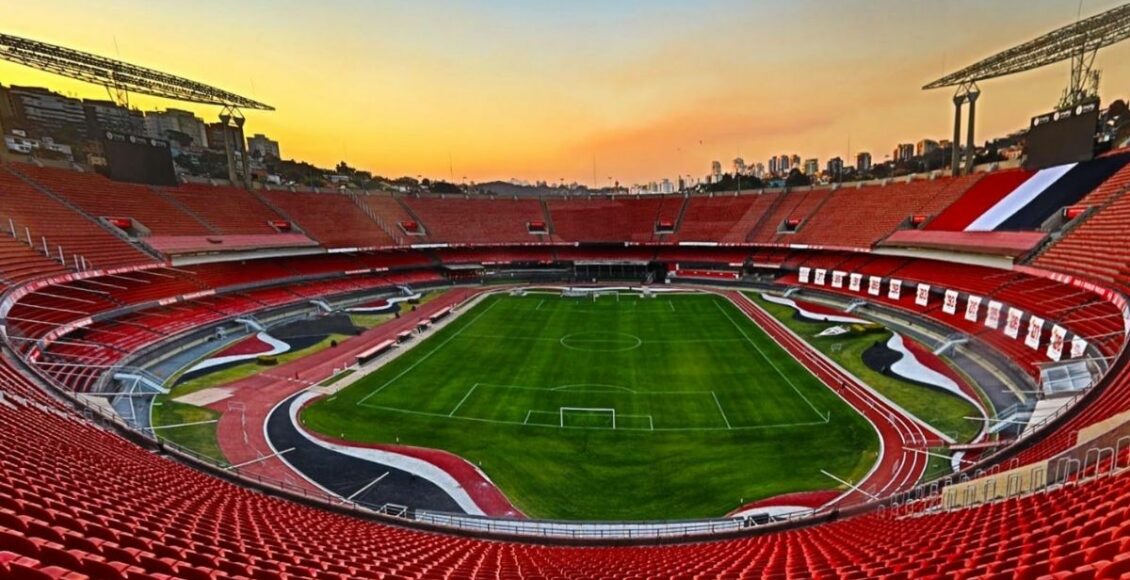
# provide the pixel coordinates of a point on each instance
(243, 151)
(971, 96)
(955, 147)
(225, 120)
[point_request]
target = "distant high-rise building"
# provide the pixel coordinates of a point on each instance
(783, 165)
(258, 145)
(863, 162)
(794, 161)
(159, 124)
(739, 166)
(759, 170)
(715, 170)
(926, 147)
(903, 152)
(811, 167)
(41, 112)
(774, 168)
(835, 168)
(108, 116)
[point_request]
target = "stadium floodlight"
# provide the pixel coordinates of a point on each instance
(1077, 42)
(115, 75)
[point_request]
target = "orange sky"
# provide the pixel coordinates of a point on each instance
(536, 89)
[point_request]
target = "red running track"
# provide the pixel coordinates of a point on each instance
(241, 436)
(897, 468)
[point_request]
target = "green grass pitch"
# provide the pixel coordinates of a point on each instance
(620, 408)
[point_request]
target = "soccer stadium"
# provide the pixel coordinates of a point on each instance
(921, 375)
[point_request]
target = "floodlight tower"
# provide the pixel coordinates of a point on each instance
(1078, 42)
(967, 93)
(232, 121)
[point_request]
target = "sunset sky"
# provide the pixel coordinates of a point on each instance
(535, 89)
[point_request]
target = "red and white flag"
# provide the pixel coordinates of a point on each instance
(950, 305)
(804, 275)
(1078, 347)
(1012, 326)
(922, 297)
(993, 315)
(876, 286)
(1035, 332)
(1055, 343)
(837, 279)
(972, 308)
(895, 291)
(820, 273)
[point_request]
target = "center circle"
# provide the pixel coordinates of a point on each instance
(597, 341)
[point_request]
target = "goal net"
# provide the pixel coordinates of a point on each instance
(587, 292)
(588, 417)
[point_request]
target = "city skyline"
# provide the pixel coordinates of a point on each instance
(543, 91)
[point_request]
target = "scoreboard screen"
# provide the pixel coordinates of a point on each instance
(1063, 136)
(138, 159)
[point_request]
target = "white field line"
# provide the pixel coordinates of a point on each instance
(769, 360)
(521, 424)
(597, 340)
(464, 399)
(427, 356)
(724, 418)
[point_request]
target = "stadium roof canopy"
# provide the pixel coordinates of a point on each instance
(117, 75)
(1072, 41)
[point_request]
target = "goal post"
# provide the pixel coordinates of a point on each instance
(563, 411)
(599, 293)
(593, 293)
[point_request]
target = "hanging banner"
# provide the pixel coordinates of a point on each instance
(895, 291)
(1055, 343)
(855, 280)
(875, 287)
(993, 316)
(950, 305)
(837, 279)
(1078, 347)
(820, 276)
(972, 308)
(804, 275)
(1035, 331)
(922, 297)
(1012, 326)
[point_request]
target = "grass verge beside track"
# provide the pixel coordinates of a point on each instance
(944, 411)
